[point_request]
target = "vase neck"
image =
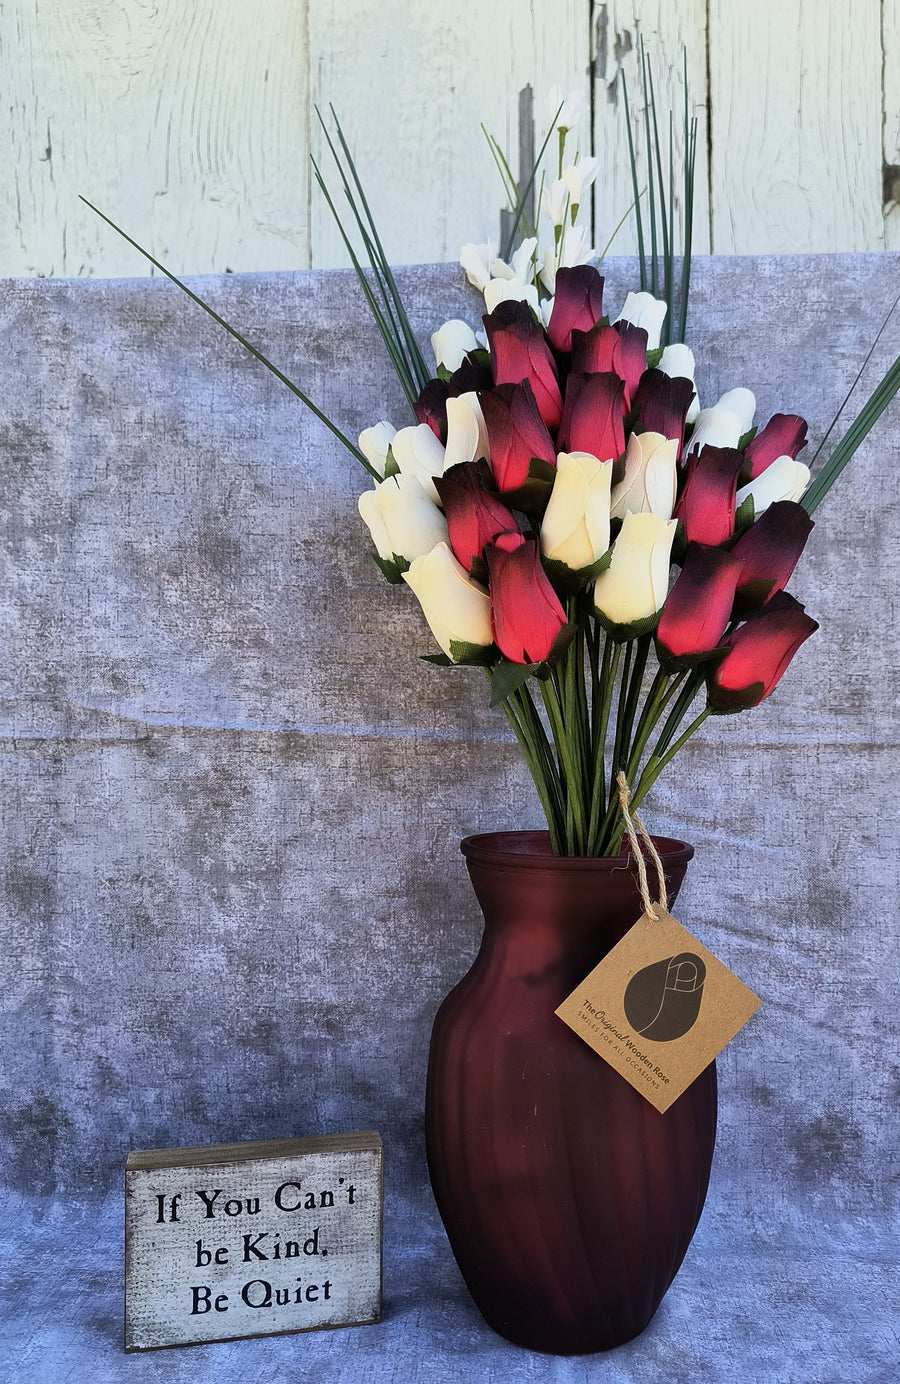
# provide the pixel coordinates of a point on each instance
(538, 910)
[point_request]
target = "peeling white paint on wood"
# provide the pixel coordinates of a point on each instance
(187, 124)
(795, 94)
(412, 86)
(192, 125)
(890, 42)
(667, 30)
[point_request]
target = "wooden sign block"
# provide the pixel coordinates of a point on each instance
(237, 1240)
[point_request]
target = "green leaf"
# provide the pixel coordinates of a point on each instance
(444, 375)
(532, 497)
(654, 357)
(391, 568)
(622, 633)
(440, 660)
(569, 580)
(745, 516)
(562, 641)
(507, 678)
(390, 464)
(477, 655)
(746, 438)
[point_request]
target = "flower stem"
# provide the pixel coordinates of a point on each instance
(656, 764)
(575, 824)
(537, 769)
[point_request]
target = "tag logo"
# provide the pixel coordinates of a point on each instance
(662, 1001)
(659, 985)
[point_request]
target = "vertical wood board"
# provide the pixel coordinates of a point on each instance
(667, 30)
(890, 42)
(186, 124)
(796, 115)
(192, 126)
(411, 86)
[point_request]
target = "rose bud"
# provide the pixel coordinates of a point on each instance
(715, 427)
(467, 438)
(592, 419)
(575, 527)
(662, 404)
(707, 502)
(374, 443)
(594, 352)
(474, 516)
(528, 622)
(578, 304)
(769, 552)
(678, 361)
(451, 342)
(649, 483)
(758, 653)
(457, 609)
(783, 435)
(522, 454)
(431, 407)
(785, 479)
(510, 290)
(698, 608)
(633, 588)
(742, 403)
(473, 375)
(418, 453)
(631, 358)
(520, 352)
(643, 310)
(402, 520)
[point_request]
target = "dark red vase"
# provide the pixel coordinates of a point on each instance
(568, 1200)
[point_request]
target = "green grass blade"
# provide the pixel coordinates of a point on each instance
(386, 304)
(394, 350)
(654, 258)
(618, 229)
(523, 196)
(419, 369)
(859, 374)
(391, 306)
(670, 248)
(638, 217)
(264, 360)
(687, 247)
(503, 168)
(663, 216)
(853, 438)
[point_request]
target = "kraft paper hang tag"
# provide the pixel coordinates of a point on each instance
(659, 1007)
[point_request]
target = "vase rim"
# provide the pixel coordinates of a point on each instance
(530, 850)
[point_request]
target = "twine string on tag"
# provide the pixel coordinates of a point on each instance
(632, 820)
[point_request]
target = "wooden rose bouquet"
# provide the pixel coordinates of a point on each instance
(614, 553)
(568, 514)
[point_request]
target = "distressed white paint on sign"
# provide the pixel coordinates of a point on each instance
(239, 1240)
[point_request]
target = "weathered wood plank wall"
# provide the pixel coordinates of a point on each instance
(192, 125)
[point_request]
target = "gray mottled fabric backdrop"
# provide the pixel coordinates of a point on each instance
(232, 797)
